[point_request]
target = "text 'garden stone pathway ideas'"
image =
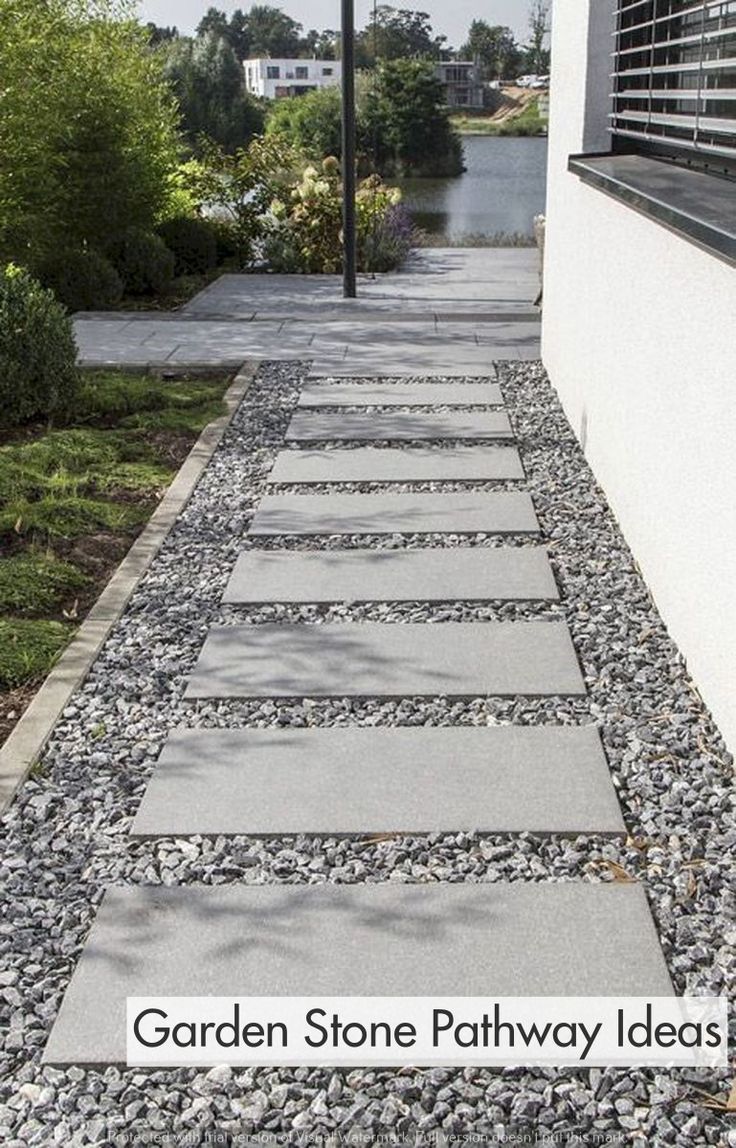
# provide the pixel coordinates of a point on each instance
(570, 938)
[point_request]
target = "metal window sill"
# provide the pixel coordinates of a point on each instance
(695, 205)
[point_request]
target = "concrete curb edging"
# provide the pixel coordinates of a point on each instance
(29, 737)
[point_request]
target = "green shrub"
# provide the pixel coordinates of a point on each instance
(144, 262)
(29, 648)
(193, 242)
(305, 229)
(38, 375)
(226, 239)
(35, 583)
(83, 280)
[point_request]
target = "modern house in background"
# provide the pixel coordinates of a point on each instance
(639, 328)
(277, 79)
(462, 84)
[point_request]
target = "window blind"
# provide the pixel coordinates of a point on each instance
(674, 76)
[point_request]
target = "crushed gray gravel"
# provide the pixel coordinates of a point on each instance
(65, 837)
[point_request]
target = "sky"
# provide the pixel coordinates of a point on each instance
(449, 17)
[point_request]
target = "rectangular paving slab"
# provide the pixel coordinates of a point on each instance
(391, 464)
(391, 575)
(502, 512)
(433, 940)
(407, 426)
(371, 659)
(497, 779)
(400, 394)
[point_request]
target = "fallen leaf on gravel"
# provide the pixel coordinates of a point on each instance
(618, 871)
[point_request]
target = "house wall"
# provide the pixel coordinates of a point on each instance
(639, 339)
(257, 80)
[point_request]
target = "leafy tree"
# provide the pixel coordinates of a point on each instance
(398, 34)
(323, 45)
(244, 185)
(407, 120)
(312, 123)
(239, 35)
(88, 134)
(208, 81)
(537, 53)
(214, 22)
(272, 32)
(159, 35)
(495, 48)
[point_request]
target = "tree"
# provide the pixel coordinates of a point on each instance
(272, 32)
(398, 34)
(214, 21)
(312, 123)
(238, 34)
(88, 136)
(322, 45)
(494, 47)
(537, 53)
(412, 129)
(207, 78)
(158, 35)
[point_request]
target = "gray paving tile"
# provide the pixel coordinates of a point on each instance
(326, 394)
(483, 574)
(370, 659)
(502, 512)
(412, 360)
(485, 940)
(355, 426)
(498, 779)
(390, 464)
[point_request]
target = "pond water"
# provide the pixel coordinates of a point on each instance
(502, 189)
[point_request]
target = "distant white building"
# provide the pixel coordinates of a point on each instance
(278, 79)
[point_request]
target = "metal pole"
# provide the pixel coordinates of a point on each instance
(348, 148)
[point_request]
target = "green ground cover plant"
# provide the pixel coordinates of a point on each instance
(72, 499)
(28, 648)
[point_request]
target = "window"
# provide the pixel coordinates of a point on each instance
(273, 72)
(674, 79)
(302, 73)
(327, 71)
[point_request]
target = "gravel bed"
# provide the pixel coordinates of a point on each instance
(66, 835)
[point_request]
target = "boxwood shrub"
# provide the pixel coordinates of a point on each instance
(38, 374)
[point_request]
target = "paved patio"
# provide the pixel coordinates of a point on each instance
(449, 311)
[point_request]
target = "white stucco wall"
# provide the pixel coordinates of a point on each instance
(639, 339)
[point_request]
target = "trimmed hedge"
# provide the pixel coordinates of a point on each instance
(83, 280)
(144, 262)
(38, 374)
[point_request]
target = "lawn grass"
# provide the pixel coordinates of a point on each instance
(73, 498)
(29, 648)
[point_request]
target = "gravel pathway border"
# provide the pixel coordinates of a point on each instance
(67, 832)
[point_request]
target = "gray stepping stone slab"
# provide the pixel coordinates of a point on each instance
(503, 512)
(438, 575)
(499, 779)
(400, 394)
(484, 940)
(407, 426)
(372, 659)
(391, 464)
